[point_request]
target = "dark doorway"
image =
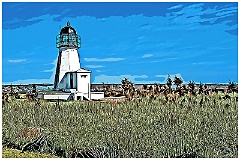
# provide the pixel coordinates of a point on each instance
(71, 80)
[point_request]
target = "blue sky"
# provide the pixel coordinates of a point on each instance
(141, 41)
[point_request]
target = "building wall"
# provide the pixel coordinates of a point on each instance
(69, 62)
(83, 83)
(62, 96)
(69, 81)
(97, 95)
(64, 83)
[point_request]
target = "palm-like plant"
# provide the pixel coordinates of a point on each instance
(200, 89)
(191, 85)
(231, 85)
(177, 81)
(169, 83)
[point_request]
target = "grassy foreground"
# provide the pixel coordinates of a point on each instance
(200, 126)
(14, 153)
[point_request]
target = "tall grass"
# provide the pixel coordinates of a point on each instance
(138, 128)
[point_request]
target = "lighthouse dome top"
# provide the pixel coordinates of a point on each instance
(68, 29)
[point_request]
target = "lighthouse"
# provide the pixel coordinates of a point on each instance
(69, 75)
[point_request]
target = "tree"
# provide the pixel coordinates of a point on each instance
(200, 90)
(169, 82)
(177, 81)
(191, 85)
(231, 85)
(145, 86)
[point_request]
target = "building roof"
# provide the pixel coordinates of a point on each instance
(81, 70)
(68, 29)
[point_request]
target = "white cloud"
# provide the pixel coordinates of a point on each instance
(176, 7)
(228, 13)
(15, 20)
(133, 78)
(200, 63)
(206, 63)
(172, 76)
(55, 62)
(50, 70)
(141, 37)
(195, 11)
(197, 5)
(147, 55)
(117, 79)
(94, 66)
(103, 20)
(29, 81)
(16, 60)
(103, 60)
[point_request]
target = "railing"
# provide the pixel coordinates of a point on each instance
(68, 40)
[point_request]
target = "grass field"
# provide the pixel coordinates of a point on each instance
(201, 126)
(14, 153)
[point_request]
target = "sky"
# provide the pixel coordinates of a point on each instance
(144, 42)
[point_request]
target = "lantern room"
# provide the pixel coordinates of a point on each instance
(68, 38)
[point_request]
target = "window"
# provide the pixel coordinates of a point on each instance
(83, 76)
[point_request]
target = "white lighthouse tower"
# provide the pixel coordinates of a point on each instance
(69, 75)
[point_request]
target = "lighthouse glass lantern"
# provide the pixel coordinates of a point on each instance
(68, 38)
